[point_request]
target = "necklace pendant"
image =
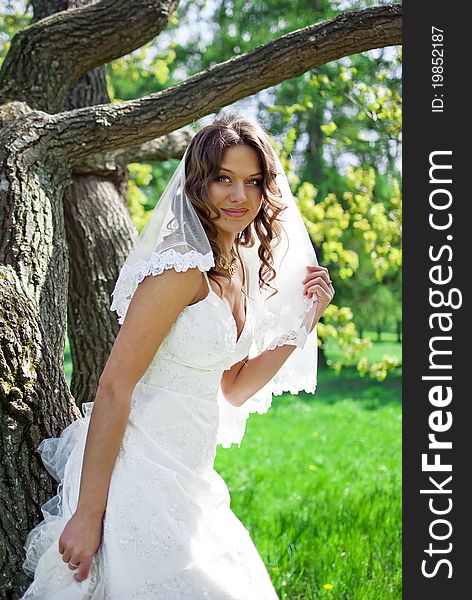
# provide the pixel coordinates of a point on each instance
(227, 265)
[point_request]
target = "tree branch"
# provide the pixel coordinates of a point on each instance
(48, 57)
(159, 149)
(106, 127)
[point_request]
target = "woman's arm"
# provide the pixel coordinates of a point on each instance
(153, 309)
(155, 306)
(247, 377)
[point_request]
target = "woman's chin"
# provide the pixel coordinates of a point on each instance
(234, 228)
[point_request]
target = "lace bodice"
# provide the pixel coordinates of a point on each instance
(200, 345)
(178, 401)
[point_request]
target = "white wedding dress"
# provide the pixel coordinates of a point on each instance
(168, 530)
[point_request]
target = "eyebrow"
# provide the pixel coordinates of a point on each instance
(229, 171)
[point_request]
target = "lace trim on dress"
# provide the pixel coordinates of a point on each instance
(130, 277)
(233, 419)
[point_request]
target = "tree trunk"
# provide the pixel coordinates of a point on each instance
(313, 170)
(100, 234)
(322, 360)
(36, 402)
(399, 331)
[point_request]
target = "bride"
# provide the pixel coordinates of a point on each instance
(218, 303)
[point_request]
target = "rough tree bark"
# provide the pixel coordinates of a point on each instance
(33, 279)
(41, 153)
(95, 197)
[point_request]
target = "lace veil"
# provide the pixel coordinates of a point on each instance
(174, 238)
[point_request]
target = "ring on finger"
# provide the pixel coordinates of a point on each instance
(71, 564)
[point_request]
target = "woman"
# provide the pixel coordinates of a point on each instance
(140, 510)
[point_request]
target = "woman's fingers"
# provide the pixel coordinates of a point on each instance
(68, 557)
(318, 283)
(321, 290)
(83, 565)
(79, 542)
(83, 569)
(74, 562)
(317, 271)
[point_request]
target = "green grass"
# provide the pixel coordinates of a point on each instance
(317, 481)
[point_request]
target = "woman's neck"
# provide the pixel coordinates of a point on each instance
(226, 244)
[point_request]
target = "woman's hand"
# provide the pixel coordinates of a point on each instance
(318, 282)
(80, 540)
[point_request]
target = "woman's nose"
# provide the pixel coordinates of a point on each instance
(238, 194)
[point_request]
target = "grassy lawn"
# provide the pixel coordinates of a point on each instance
(317, 481)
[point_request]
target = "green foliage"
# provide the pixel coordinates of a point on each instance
(361, 226)
(12, 20)
(139, 177)
(140, 73)
(377, 103)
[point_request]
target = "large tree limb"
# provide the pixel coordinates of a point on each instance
(159, 149)
(80, 133)
(47, 58)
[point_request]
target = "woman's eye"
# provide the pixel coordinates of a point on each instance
(256, 181)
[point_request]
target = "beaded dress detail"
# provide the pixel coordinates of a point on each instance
(168, 530)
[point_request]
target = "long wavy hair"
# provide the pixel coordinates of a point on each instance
(203, 161)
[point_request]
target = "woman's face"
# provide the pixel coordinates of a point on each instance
(237, 189)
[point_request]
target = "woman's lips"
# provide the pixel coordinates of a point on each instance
(235, 212)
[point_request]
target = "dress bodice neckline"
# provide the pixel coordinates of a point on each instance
(231, 313)
(233, 320)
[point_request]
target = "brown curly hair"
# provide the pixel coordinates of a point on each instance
(204, 157)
